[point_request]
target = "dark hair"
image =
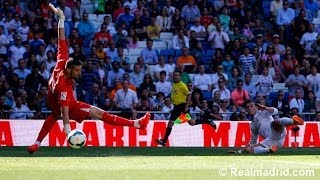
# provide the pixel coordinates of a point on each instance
(163, 72)
(72, 62)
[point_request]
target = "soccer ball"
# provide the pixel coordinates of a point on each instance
(77, 139)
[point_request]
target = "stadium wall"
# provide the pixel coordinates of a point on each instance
(228, 134)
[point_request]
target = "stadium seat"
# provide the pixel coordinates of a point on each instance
(177, 52)
(210, 52)
(166, 35)
(89, 7)
(316, 21)
(92, 17)
(273, 95)
(205, 45)
(207, 95)
(159, 45)
(142, 44)
(166, 52)
(279, 86)
(135, 52)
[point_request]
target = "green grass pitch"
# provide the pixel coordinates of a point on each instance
(152, 163)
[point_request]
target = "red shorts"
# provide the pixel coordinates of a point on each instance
(78, 111)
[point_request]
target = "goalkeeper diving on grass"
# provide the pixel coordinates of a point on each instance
(272, 130)
(61, 99)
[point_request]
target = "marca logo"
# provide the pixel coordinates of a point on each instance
(63, 96)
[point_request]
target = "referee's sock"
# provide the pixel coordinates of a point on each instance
(167, 134)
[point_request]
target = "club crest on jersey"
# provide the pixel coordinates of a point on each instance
(63, 96)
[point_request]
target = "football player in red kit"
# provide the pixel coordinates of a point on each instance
(60, 95)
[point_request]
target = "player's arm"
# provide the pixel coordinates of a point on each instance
(65, 118)
(271, 110)
(62, 54)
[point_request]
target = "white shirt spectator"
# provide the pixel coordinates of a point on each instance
(179, 43)
(16, 54)
(215, 77)
(224, 93)
(4, 41)
(307, 39)
(198, 29)
(164, 87)
(202, 81)
(167, 68)
(265, 84)
(218, 39)
(149, 56)
(21, 113)
(23, 31)
(297, 103)
(126, 100)
(314, 84)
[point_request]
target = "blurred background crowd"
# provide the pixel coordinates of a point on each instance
(229, 51)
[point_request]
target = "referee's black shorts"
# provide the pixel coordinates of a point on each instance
(177, 110)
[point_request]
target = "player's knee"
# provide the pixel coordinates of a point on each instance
(170, 124)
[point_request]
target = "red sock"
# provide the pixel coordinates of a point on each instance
(116, 120)
(46, 127)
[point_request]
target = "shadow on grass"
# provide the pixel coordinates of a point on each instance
(145, 151)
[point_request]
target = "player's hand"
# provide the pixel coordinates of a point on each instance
(260, 106)
(57, 11)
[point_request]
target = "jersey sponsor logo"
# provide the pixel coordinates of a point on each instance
(63, 96)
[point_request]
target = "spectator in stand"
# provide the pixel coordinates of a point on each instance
(162, 66)
(314, 84)
(239, 96)
(193, 41)
(153, 30)
(216, 99)
(297, 101)
(123, 60)
(86, 30)
(284, 17)
(180, 41)
(224, 92)
(34, 81)
(218, 75)
(190, 12)
(137, 75)
(4, 42)
(224, 109)
(144, 106)
(21, 111)
(3, 69)
(202, 81)
(218, 39)
(281, 103)
(175, 20)
(78, 92)
(39, 102)
(126, 100)
(149, 54)
(139, 8)
(102, 37)
(308, 38)
(270, 52)
(15, 52)
(94, 96)
(312, 6)
(206, 17)
(150, 101)
(168, 107)
(125, 17)
(163, 20)
(9, 99)
(162, 85)
(138, 26)
(132, 39)
(117, 10)
(115, 73)
(247, 62)
(77, 54)
(154, 8)
(296, 81)
(90, 76)
(148, 84)
(4, 108)
(74, 38)
(77, 11)
(200, 30)
(111, 51)
(21, 71)
(317, 118)
(235, 76)
(288, 63)
(310, 103)
(249, 86)
(265, 82)
(187, 61)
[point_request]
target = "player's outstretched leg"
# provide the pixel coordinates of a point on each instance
(115, 120)
(285, 121)
(46, 127)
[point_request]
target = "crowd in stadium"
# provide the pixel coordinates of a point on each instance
(229, 51)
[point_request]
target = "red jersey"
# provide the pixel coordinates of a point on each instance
(60, 88)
